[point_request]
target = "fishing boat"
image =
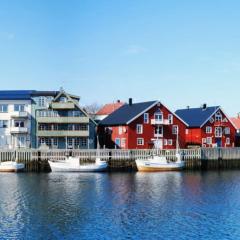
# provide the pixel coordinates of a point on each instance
(11, 166)
(72, 164)
(158, 162)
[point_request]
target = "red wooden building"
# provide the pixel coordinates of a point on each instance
(142, 126)
(208, 127)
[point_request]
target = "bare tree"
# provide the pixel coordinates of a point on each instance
(93, 108)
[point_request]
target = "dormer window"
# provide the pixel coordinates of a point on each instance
(218, 117)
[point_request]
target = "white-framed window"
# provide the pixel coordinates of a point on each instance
(63, 99)
(175, 129)
(3, 108)
(146, 118)
(140, 141)
(18, 123)
(3, 123)
(208, 129)
(139, 128)
(170, 118)
(218, 132)
(186, 131)
(225, 120)
(83, 142)
(158, 130)
(228, 141)
(123, 142)
(165, 142)
(204, 140)
(209, 140)
(170, 142)
(158, 116)
(227, 130)
(120, 130)
(42, 101)
(218, 117)
(19, 107)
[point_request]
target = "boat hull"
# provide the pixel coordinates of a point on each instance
(63, 167)
(144, 166)
(11, 167)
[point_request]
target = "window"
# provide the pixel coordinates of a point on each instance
(83, 142)
(139, 129)
(170, 142)
(227, 130)
(170, 118)
(228, 141)
(3, 123)
(21, 140)
(18, 123)
(165, 142)
(209, 140)
(218, 132)
(146, 118)
(42, 101)
(204, 140)
(19, 107)
(63, 99)
(158, 116)
(120, 130)
(175, 129)
(218, 117)
(208, 129)
(123, 142)
(69, 142)
(117, 142)
(158, 130)
(140, 141)
(3, 108)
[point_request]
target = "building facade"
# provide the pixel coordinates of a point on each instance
(142, 126)
(208, 127)
(15, 119)
(32, 119)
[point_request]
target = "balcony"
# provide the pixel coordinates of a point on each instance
(19, 114)
(16, 130)
(159, 122)
(156, 135)
(63, 133)
(62, 105)
(63, 120)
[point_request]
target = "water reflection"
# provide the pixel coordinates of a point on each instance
(173, 205)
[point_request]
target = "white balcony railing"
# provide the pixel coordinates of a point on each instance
(19, 114)
(160, 122)
(19, 130)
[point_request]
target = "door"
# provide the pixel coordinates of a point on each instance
(158, 144)
(219, 142)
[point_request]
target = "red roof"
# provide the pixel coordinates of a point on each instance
(236, 122)
(109, 108)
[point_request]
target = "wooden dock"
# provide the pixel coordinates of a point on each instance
(196, 159)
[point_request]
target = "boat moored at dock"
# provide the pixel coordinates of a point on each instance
(11, 166)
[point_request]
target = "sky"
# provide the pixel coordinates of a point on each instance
(181, 52)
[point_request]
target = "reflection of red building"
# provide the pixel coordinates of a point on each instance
(141, 126)
(208, 127)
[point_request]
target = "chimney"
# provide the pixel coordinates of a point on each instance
(130, 101)
(188, 107)
(204, 107)
(118, 101)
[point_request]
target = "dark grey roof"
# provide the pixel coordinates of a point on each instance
(126, 113)
(196, 117)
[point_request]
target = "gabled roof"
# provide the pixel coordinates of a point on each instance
(107, 109)
(236, 122)
(196, 117)
(127, 113)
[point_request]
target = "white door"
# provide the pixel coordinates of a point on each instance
(158, 144)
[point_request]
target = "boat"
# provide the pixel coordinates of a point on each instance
(72, 164)
(11, 166)
(157, 163)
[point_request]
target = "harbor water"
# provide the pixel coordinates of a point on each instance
(171, 205)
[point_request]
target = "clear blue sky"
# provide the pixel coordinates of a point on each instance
(180, 52)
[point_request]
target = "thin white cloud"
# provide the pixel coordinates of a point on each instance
(134, 50)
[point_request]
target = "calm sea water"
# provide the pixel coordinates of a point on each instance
(190, 205)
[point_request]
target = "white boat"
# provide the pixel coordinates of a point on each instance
(72, 164)
(11, 166)
(160, 163)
